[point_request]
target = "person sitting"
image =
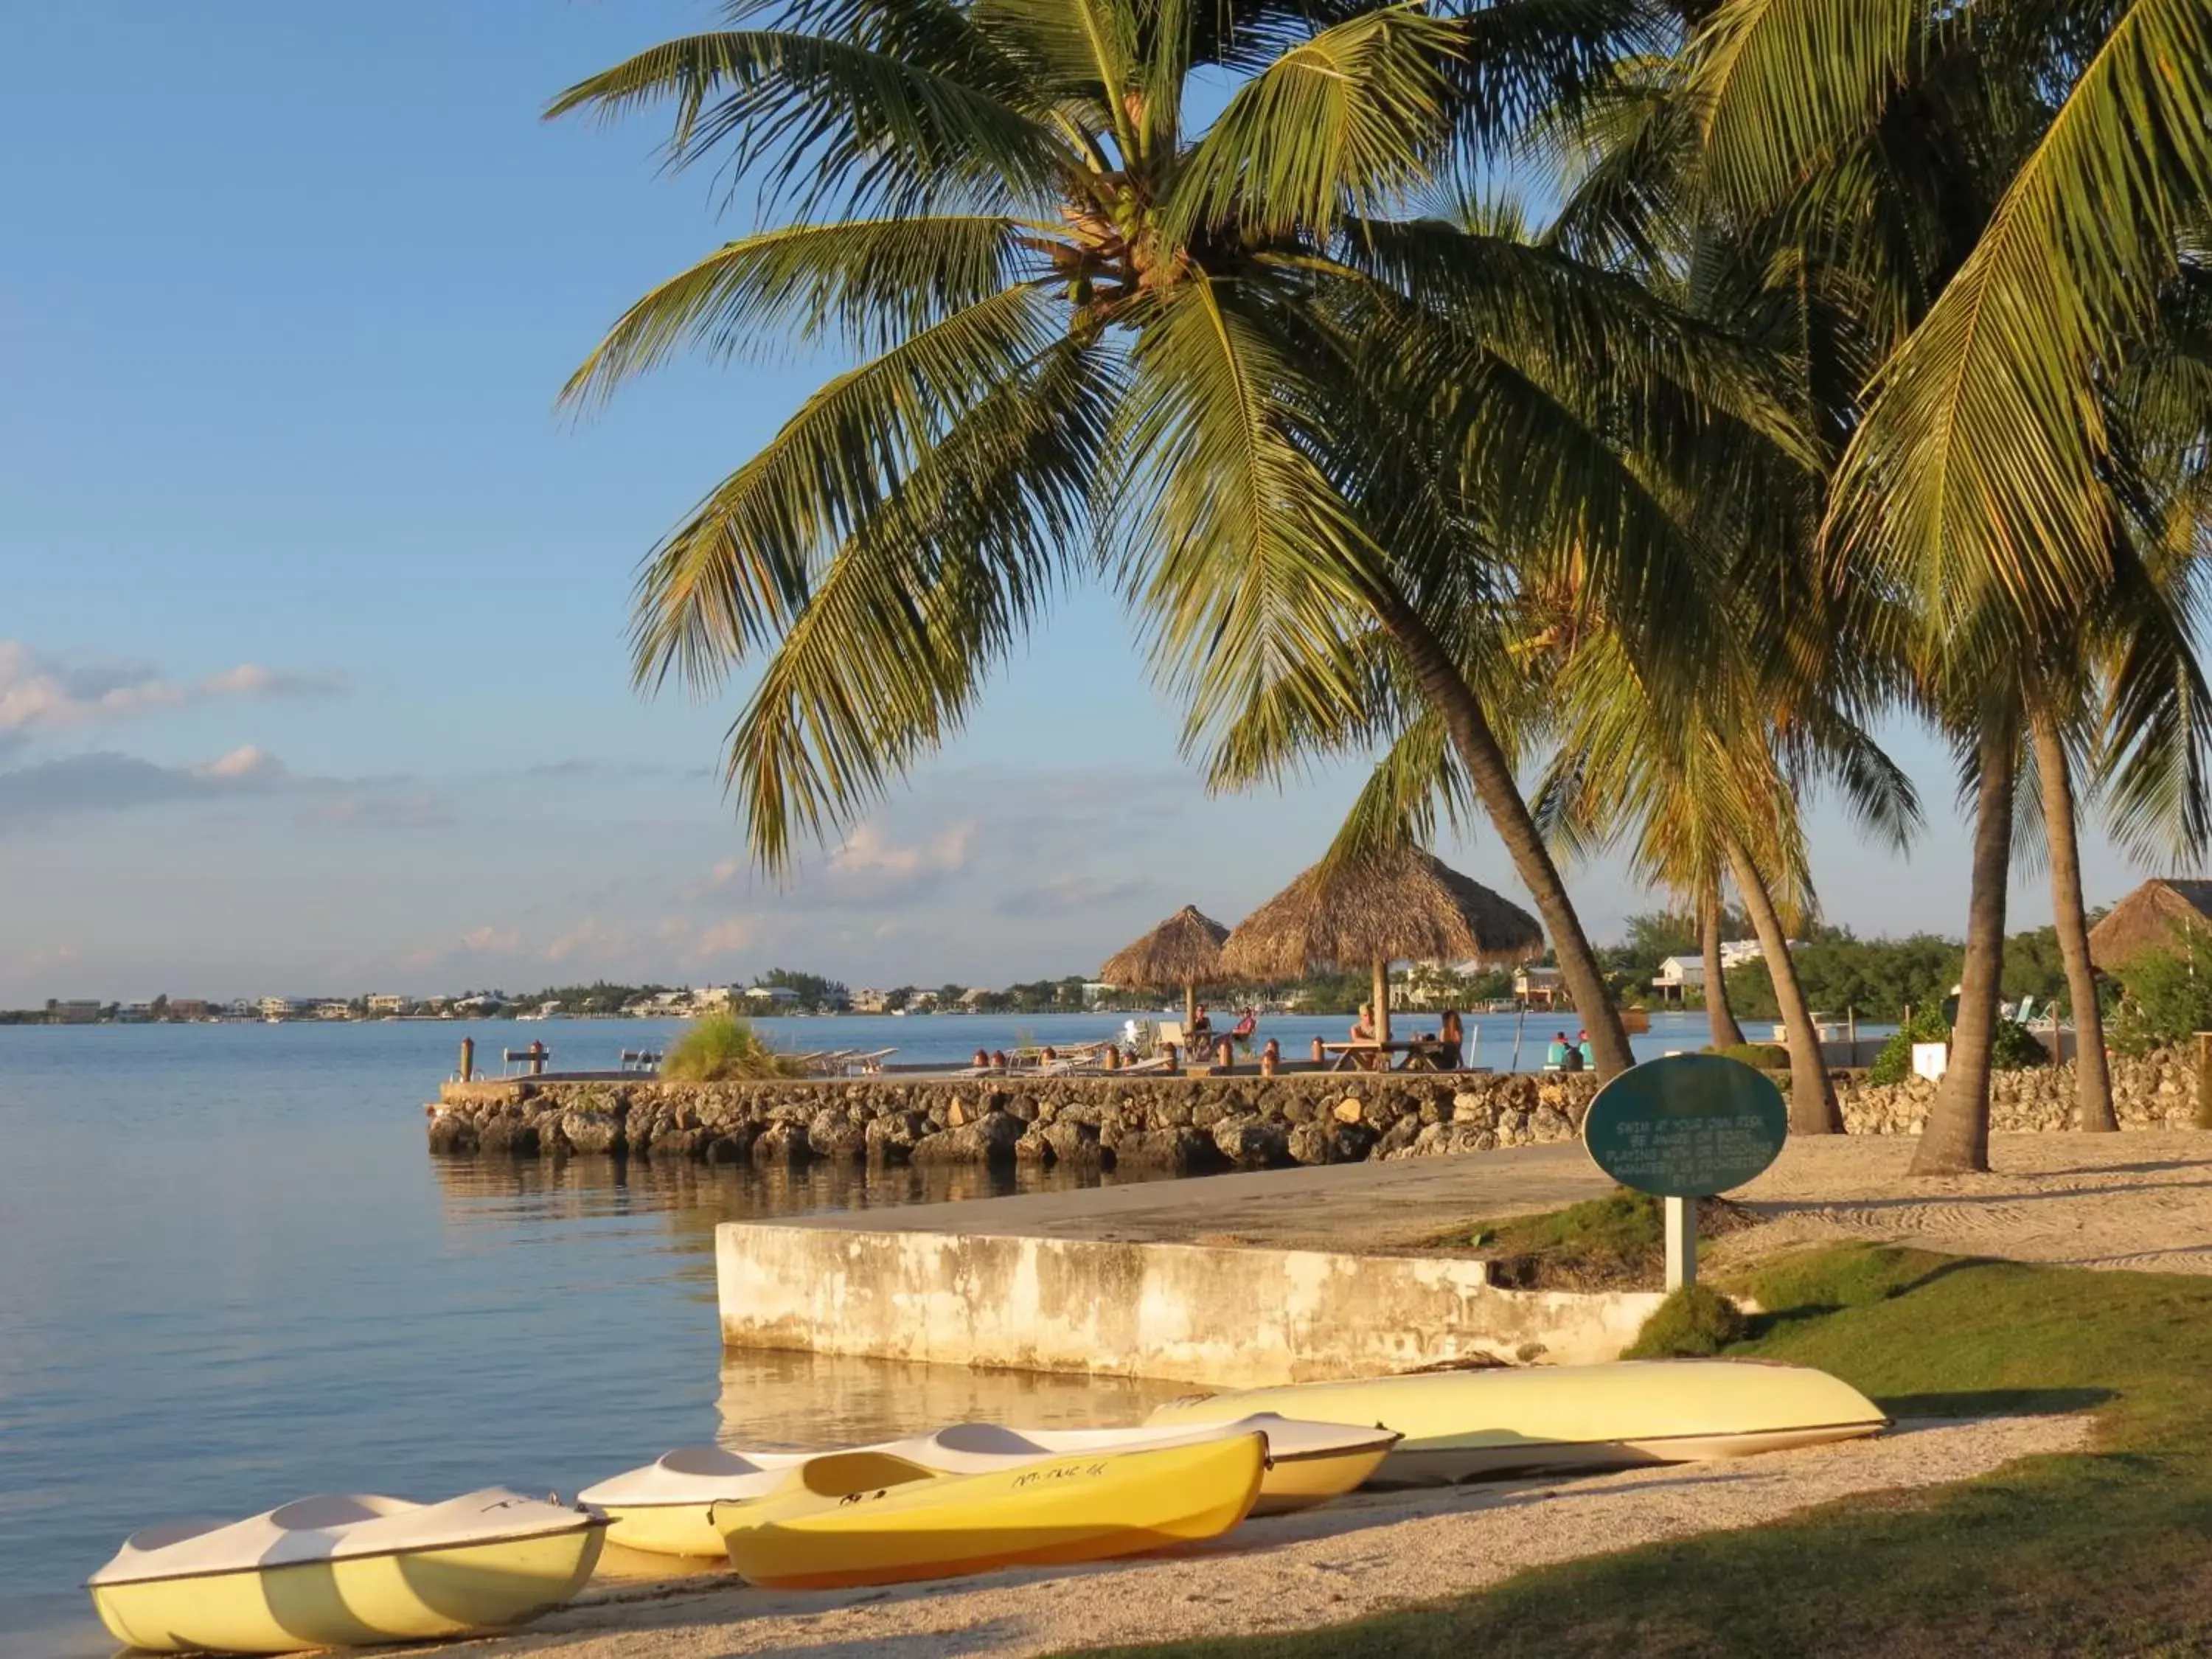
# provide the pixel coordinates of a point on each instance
(1585, 1051)
(1362, 1029)
(1555, 1057)
(1573, 1059)
(1201, 1028)
(1243, 1029)
(1450, 1038)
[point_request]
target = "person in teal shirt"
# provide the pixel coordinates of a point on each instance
(1556, 1055)
(1588, 1051)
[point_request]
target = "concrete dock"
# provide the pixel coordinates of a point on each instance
(1235, 1280)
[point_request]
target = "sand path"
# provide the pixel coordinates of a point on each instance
(1363, 1555)
(2142, 1200)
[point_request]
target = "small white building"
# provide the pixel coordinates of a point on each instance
(277, 1008)
(868, 1001)
(710, 998)
(387, 1002)
(333, 1008)
(771, 996)
(1678, 975)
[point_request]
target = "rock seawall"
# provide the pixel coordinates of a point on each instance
(2156, 1090)
(1190, 1124)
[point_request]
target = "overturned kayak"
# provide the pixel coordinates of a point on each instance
(663, 1506)
(343, 1571)
(866, 1517)
(1462, 1424)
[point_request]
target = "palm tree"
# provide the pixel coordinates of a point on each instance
(1720, 1016)
(2043, 169)
(1097, 341)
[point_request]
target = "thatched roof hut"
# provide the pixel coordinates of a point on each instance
(1185, 950)
(1404, 905)
(2152, 918)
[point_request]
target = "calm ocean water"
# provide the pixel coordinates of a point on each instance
(230, 1275)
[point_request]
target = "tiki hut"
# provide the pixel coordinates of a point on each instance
(2152, 918)
(1185, 950)
(1399, 906)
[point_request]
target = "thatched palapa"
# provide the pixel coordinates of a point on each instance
(1185, 950)
(2152, 918)
(1400, 905)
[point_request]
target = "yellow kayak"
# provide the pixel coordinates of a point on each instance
(341, 1571)
(663, 1507)
(869, 1518)
(1307, 1463)
(1460, 1424)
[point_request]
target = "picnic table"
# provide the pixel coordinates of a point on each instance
(1422, 1053)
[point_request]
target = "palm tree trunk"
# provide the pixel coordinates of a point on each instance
(2093, 1083)
(1957, 1137)
(1727, 1034)
(1381, 1002)
(1500, 791)
(1812, 1100)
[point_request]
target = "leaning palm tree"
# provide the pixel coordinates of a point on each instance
(1097, 339)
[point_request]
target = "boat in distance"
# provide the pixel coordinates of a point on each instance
(1460, 1425)
(869, 1518)
(663, 1506)
(346, 1570)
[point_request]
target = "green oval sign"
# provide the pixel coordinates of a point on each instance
(1688, 1125)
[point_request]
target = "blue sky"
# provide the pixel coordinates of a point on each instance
(316, 677)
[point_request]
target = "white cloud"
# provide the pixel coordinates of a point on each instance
(246, 762)
(46, 694)
(868, 851)
(500, 940)
(726, 938)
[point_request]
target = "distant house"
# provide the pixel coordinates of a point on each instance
(73, 1013)
(1678, 975)
(869, 1001)
(711, 997)
(1538, 986)
(333, 1008)
(973, 995)
(771, 996)
(1096, 991)
(1735, 952)
(279, 1007)
(2157, 916)
(387, 1002)
(190, 1008)
(134, 1013)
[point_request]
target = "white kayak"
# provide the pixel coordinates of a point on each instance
(344, 1569)
(663, 1506)
(1463, 1425)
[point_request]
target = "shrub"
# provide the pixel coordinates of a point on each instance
(721, 1048)
(1692, 1323)
(2168, 996)
(2014, 1048)
(1766, 1056)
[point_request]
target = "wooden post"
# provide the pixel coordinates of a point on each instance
(537, 1058)
(1224, 1054)
(1381, 1002)
(1113, 1057)
(2204, 1077)
(1169, 1049)
(468, 1058)
(1189, 1007)
(1321, 1057)
(1681, 1243)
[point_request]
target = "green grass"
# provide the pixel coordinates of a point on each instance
(1695, 1320)
(722, 1048)
(2107, 1552)
(1618, 1242)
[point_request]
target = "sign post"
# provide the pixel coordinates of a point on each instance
(1685, 1128)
